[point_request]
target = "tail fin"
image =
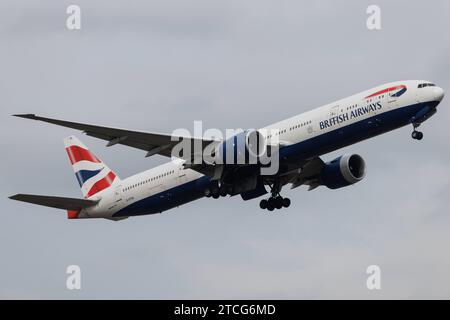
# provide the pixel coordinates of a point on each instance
(92, 174)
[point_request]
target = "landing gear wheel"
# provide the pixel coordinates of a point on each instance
(263, 204)
(278, 202)
(417, 135)
(420, 136)
(223, 192)
(275, 201)
(271, 202)
(215, 192)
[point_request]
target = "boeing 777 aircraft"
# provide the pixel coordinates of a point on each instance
(300, 142)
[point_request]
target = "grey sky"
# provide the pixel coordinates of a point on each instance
(160, 65)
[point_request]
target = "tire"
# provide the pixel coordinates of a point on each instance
(215, 192)
(286, 202)
(278, 202)
(223, 192)
(263, 204)
(270, 208)
(419, 135)
(271, 203)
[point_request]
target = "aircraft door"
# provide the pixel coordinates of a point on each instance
(181, 174)
(391, 99)
(118, 194)
(334, 111)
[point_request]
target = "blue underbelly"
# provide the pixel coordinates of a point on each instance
(167, 199)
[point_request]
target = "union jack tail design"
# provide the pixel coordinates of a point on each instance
(92, 174)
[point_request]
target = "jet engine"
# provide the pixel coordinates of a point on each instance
(244, 148)
(343, 171)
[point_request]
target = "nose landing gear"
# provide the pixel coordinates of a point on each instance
(416, 135)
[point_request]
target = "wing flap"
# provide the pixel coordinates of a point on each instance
(55, 202)
(309, 175)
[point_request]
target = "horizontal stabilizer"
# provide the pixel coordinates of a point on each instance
(55, 202)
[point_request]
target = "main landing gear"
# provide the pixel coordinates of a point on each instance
(217, 191)
(276, 201)
(273, 203)
(416, 135)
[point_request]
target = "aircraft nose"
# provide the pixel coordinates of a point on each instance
(438, 93)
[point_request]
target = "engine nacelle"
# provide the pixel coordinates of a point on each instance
(243, 148)
(343, 171)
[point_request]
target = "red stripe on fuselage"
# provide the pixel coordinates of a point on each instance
(102, 184)
(77, 154)
(385, 90)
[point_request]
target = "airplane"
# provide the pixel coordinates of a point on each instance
(300, 140)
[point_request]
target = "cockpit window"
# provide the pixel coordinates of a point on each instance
(423, 85)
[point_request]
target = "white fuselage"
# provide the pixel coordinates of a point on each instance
(143, 191)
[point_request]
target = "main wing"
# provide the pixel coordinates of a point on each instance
(309, 174)
(152, 143)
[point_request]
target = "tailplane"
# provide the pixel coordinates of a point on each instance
(72, 205)
(92, 174)
(55, 202)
